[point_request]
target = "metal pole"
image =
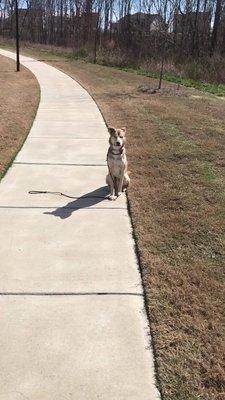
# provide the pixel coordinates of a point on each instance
(17, 38)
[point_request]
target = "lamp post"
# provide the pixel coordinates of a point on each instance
(17, 38)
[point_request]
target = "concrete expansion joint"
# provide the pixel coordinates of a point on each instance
(69, 294)
(65, 138)
(70, 164)
(63, 207)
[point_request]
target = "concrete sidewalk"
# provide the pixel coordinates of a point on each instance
(72, 317)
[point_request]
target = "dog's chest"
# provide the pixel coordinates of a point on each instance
(116, 165)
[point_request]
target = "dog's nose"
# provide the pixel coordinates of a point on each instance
(118, 143)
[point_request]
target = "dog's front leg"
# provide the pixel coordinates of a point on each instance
(120, 182)
(120, 187)
(111, 188)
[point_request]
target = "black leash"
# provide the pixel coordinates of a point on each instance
(64, 195)
(82, 197)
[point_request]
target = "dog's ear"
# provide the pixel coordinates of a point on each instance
(124, 129)
(111, 130)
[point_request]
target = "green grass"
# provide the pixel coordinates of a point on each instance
(218, 90)
(208, 173)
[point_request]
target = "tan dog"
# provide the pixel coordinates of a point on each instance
(117, 178)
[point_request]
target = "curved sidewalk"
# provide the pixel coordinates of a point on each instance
(73, 323)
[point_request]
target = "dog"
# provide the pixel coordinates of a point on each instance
(117, 178)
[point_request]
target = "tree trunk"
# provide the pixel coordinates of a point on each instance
(216, 26)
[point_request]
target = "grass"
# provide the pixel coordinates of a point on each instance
(176, 151)
(209, 175)
(19, 99)
(218, 90)
(58, 52)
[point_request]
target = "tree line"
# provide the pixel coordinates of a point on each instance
(136, 29)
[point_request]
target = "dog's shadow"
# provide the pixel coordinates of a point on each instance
(88, 200)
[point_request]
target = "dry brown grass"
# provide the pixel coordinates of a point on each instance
(176, 153)
(19, 97)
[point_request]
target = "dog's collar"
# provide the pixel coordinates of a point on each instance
(112, 151)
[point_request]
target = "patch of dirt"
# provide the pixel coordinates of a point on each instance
(19, 98)
(173, 90)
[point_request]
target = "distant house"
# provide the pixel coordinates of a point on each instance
(81, 21)
(139, 22)
(191, 20)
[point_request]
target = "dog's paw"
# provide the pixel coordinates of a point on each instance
(112, 197)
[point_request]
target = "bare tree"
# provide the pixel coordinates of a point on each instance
(216, 26)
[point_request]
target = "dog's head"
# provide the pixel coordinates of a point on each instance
(117, 136)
